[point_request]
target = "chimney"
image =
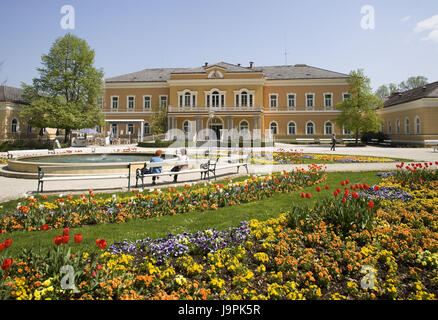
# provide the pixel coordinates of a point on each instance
(251, 64)
(206, 65)
(238, 64)
(424, 88)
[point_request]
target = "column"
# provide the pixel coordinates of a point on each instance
(141, 130)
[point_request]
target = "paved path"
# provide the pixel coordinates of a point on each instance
(12, 188)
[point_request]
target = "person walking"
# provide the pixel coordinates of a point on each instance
(333, 148)
(181, 157)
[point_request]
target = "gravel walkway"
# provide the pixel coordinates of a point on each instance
(12, 188)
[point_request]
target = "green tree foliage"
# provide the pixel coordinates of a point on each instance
(358, 112)
(384, 91)
(66, 93)
(159, 121)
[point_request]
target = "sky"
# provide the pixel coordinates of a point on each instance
(390, 40)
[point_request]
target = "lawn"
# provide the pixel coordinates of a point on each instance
(220, 219)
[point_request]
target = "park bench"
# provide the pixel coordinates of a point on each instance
(374, 141)
(325, 141)
(386, 143)
(433, 143)
(348, 140)
(43, 170)
(305, 140)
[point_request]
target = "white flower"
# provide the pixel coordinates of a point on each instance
(60, 195)
(140, 190)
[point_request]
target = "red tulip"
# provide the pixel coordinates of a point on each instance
(318, 189)
(376, 188)
(371, 204)
(326, 187)
(101, 243)
(2, 246)
(308, 196)
(45, 227)
(78, 238)
(65, 238)
(57, 240)
(335, 193)
(8, 243)
(344, 200)
(66, 231)
(99, 266)
(7, 263)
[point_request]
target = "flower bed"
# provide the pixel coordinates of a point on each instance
(346, 247)
(69, 212)
(298, 157)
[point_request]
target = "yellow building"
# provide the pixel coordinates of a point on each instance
(291, 102)
(412, 116)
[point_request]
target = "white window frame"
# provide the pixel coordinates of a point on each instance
(397, 126)
(112, 102)
(250, 94)
(127, 128)
(127, 103)
(325, 128)
(144, 101)
(294, 100)
(116, 133)
(417, 125)
(345, 132)
(15, 126)
(331, 100)
(407, 126)
(389, 127)
(276, 127)
(244, 129)
(344, 94)
(273, 95)
(295, 128)
(167, 100)
(314, 128)
(208, 97)
(307, 101)
(146, 132)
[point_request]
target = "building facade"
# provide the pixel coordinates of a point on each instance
(412, 116)
(289, 102)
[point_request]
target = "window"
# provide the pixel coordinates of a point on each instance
(114, 129)
(187, 99)
(244, 126)
(193, 101)
(291, 100)
(397, 126)
(146, 102)
(346, 96)
(291, 128)
(131, 102)
(251, 100)
(146, 129)
(417, 125)
(273, 100)
(310, 128)
(186, 127)
(100, 103)
(310, 97)
(389, 126)
(328, 100)
(328, 128)
(244, 96)
(163, 101)
(215, 99)
(274, 128)
(346, 132)
(237, 100)
(14, 126)
(407, 126)
(130, 128)
(114, 102)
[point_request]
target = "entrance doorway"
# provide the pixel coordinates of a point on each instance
(216, 126)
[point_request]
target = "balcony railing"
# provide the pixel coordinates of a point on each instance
(204, 109)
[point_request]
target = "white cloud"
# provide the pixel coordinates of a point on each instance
(431, 26)
(405, 19)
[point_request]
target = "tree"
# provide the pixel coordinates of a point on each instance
(65, 96)
(159, 121)
(358, 112)
(384, 91)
